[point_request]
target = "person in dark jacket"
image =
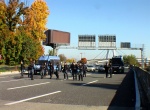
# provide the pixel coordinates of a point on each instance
(106, 69)
(110, 70)
(31, 70)
(80, 72)
(43, 67)
(74, 70)
(65, 68)
(84, 70)
(50, 69)
(21, 68)
(57, 71)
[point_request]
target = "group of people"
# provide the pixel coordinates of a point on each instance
(44, 68)
(77, 70)
(51, 70)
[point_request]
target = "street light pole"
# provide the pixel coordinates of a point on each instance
(81, 55)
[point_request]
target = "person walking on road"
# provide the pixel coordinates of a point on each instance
(43, 67)
(57, 71)
(21, 68)
(31, 70)
(106, 69)
(84, 70)
(81, 72)
(110, 70)
(50, 69)
(65, 68)
(74, 70)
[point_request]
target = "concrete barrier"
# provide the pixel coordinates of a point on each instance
(143, 78)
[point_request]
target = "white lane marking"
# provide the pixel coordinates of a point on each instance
(28, 86)
(88, 74)
(89, 83)
(12, 80)
(32, 98)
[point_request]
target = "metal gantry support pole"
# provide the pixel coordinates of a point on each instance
(107, 54)
(142, 56)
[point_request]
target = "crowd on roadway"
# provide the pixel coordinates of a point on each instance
(78, 70)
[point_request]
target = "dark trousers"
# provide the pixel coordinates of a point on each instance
(50, 73)
(31, 74)
(84, 73)
(21, 72)
(57, 74)
(74, 74)
(106, 73)
(42, 73)
(65, 75)
(110, 73)
(81, 76)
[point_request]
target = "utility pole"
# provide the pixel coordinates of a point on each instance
(142, 56)
(81, 55)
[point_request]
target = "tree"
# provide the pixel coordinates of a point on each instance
(2, 31)
(83, 60)
(11, 15)
(130, 60)
(22, 30)
(36, 19)
(31, 48)
(50, 52)
(70, 60)
(62, 58)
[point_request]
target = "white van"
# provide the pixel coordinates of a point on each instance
(46, 59)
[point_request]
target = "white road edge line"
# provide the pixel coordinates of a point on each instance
(12, 80)
(32, 98)
(89, 83)
(27, 86)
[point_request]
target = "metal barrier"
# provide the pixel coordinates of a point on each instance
(137, 101)
(143, 78)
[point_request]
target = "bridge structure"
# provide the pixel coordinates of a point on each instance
(108, 50)
(61, 40)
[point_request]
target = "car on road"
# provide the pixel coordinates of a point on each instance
(91, 68)
(101, 68)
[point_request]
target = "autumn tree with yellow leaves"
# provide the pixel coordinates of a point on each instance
(36, 19)
(22, 30)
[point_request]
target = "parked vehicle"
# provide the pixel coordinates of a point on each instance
(46, 59)
(91, 68)
(101, 68)
(97, 67)
(117, 64)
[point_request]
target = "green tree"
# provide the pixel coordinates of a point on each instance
(50, 52)
(70, 60)
(11, 19)
(62, 58)
(130, 60)
(21, 30)
(3, 27)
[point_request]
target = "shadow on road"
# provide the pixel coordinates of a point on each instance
(125, 95)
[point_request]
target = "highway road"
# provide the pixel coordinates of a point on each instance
(95, 92)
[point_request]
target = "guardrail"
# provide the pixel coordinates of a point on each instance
(143, 79)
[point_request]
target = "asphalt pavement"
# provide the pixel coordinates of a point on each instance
(95, 92)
